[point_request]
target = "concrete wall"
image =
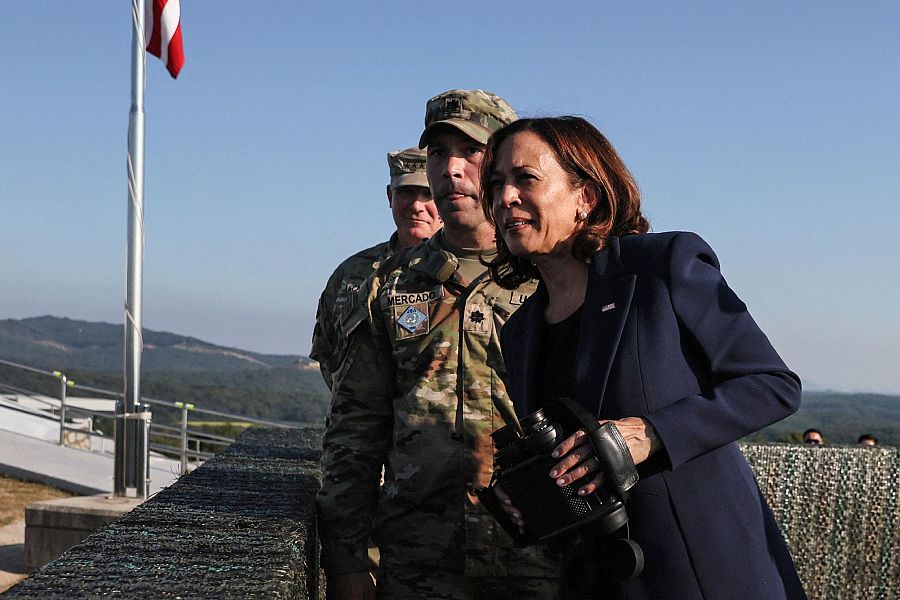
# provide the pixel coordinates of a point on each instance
(54, 526)
(243, 526)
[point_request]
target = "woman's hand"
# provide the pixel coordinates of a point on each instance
(506, 504)
(578, 458)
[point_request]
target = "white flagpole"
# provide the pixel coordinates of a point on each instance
(130, 466)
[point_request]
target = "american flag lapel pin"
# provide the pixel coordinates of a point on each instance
(609, 306)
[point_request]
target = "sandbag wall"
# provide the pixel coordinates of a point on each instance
(243, 526)
(240, 526)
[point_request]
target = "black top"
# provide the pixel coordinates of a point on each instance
(555, 372)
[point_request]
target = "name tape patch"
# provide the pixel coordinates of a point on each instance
(415, 297)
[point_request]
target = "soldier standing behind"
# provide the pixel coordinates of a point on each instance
(418, 391)
(416, 219)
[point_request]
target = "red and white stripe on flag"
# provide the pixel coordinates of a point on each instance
(162, 18)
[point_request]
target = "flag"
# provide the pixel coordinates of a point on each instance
(162, 18)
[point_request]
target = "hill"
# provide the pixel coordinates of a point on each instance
(174, 367)
(60, 343)
(289, 387)
(841, 417)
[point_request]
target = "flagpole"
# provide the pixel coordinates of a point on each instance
(130, 459)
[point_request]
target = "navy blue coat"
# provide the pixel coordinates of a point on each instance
(663, 337)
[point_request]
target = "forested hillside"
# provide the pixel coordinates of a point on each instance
(841, 418)
(289, 388)
(54, 343)
(174, 367)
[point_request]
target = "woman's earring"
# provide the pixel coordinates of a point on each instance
(582, 215)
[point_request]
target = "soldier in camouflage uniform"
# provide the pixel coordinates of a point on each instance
(416, 219)
(419, 390)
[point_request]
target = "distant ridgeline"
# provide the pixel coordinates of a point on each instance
(841, 418)
(290, 388)
(174, 367)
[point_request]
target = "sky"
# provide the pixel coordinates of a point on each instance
(772, 129)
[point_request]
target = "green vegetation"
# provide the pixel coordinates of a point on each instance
(290, 388)
(841, 418)
(56, 343)
(175, 368)
(196, 438)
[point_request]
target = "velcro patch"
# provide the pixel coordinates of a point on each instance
(478, 318)
(412, 321)
(406, 298)
(516, 297)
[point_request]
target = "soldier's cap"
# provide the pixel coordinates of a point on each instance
(407, 168)
(477, 113)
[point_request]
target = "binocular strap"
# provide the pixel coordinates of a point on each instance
(609, 447)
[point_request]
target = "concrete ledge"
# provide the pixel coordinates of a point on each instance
(54, 526)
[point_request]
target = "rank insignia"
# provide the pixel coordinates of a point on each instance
(411, 319)
(478, 318)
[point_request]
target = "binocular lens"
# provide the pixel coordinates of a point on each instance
(533, 422)
(505, 436)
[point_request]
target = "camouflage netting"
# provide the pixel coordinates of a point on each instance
(839, 512)
(240, 526)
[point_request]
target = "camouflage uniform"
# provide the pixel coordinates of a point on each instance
(418, 390)
(407, 168)
(335, 302)
(476, 113)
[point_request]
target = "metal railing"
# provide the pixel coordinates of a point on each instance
(175, 439)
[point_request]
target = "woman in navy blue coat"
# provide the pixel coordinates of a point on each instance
(642, 330)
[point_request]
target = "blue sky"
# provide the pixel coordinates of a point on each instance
(770, 128)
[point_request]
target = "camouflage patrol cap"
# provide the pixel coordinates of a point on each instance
(477, 113)
(407, 168)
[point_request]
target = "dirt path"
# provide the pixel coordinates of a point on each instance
(14, 496)
(12, 554)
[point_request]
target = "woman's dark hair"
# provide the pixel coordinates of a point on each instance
(589, 159)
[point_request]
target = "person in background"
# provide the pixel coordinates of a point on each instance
(642, 330)
(813, 436)
(867, 439)
(416, 218)
(419, 392)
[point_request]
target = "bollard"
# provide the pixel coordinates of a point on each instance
(63, 384)
(185, 407)
(62, 407)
